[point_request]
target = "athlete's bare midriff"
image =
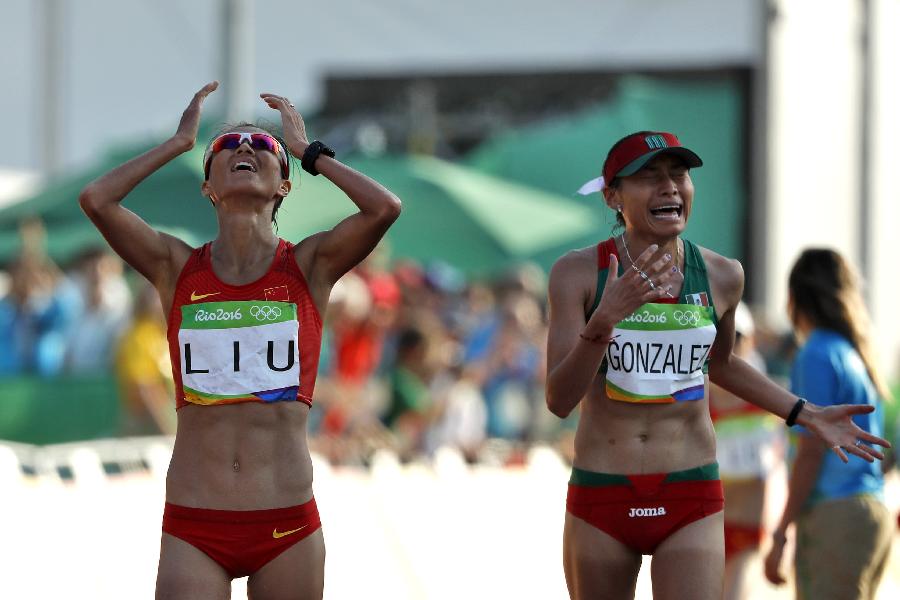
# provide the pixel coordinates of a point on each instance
(247, 456)
(631, 439)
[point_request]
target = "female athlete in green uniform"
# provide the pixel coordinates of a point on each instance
(635, 323)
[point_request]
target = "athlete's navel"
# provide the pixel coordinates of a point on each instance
(642, 437)
(236, 466)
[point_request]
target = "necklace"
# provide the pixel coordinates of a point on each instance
(677, 258)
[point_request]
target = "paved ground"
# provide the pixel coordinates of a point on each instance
(399, 532)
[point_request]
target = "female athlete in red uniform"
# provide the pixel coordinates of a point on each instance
(632, 346)
(244, 326)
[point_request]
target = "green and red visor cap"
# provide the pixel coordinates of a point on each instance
(634, 152)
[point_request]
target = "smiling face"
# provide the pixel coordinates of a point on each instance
(245, 171)
(656, 201)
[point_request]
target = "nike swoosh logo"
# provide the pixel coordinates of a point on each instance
(277, 535)
(195, 296)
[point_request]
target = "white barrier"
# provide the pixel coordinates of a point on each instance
(439, 530)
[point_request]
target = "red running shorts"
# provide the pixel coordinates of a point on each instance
(641, 511)
(241, 541)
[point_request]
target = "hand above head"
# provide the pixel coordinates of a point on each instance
(834, 426)
(291, 123)
(190, 119)
(648, 280)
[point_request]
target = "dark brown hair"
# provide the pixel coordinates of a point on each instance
(825, 291)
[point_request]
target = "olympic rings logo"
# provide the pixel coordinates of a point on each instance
(265, 312)
(686, 317)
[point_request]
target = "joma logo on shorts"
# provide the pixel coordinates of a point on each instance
(647, 512)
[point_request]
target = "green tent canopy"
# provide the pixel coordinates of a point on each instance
(559, 155)
(476, 222)
(169, 199)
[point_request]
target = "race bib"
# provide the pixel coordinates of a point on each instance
(746, 445)
(239, 351)
(658, 354)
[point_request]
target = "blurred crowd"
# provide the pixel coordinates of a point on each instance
(420, 357)
(414, 356)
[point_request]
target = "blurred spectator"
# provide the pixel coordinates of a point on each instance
(37, 312)
(410, 411)
(349, 397)
(352, 351)
(747, 448)
(143, 369)
(105, 309)
(843, 528)
(461, 414)
(357, 339)
(511, 387)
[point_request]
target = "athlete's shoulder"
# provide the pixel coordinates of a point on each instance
(725, 274)
(726, 270)
(305, 252)
(185, 259)
(574, 263)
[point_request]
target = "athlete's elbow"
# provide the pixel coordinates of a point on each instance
(720, 373)
(556, 406)
(391, 209)
(88, 200)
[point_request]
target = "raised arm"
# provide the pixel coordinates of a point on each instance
(150, 252)
(350, 241)
(832, 424)
(575, 348)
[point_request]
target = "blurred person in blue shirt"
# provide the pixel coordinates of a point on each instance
(104, 314)
(843, 529)
(37, 312)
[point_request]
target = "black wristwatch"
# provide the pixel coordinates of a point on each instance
(311, 154)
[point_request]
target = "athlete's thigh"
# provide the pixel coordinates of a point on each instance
(186, 572)
(690, 563)
(738, 573)
(298, 573)
(597, 566)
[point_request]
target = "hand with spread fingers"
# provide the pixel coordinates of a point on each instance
(294, 129)
(833, 424)
(647, 280)
(190, 119)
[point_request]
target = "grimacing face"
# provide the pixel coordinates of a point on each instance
(657, 199)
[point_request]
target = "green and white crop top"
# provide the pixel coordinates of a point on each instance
(659, 353)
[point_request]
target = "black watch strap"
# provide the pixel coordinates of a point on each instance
(311, 154)
(795, 412)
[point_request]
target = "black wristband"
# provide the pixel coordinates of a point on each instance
(795, 412)
(311, 154)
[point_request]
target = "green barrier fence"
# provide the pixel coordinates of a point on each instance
(63, 409)
(68, 409)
